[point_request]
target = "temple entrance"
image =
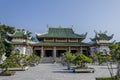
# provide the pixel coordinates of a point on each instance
(74, 51)
(85, 52)
(48, 53)
(105, 52)
(60, 53)
(38, 52)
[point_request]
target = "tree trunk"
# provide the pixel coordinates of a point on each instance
(118, 70)
(68, 65)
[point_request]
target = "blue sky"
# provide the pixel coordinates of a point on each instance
(84, 15)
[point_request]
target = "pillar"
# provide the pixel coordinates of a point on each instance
(81, 50)
(69, 50)
(42, 52)
(54, 53)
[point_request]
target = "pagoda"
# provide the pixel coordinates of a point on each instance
(58, 41)
(101, 43)
(22, 40)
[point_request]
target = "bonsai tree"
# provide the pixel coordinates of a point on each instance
(68, 58)
(81, 59)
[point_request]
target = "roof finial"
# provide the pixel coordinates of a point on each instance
(47, 26)
(105, 32)
(60, 26)
(72, 26)
(95, 31)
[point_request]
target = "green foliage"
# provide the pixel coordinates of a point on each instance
(2, 48)
(14, 60)
(3, 30)
(100, 57)
(94, 56)
(104, 79)
(115, 53)
(8, 72)
(107, 58)
(68, 57)
(81, 59)
(9, 49)
(33, 59)
(18, 60)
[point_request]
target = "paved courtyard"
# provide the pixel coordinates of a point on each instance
(57, 72)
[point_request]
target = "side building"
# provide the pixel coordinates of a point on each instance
(22, 41)
(101, 43)
(56, 41)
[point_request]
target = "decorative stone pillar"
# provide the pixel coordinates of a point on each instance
(42, 52)
(54, 53)
(81, 50)
(69, 49)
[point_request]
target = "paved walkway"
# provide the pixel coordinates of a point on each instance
(56, 72)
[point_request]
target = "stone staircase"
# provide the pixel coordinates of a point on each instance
(58, 60)
(50, 60)
(47, 60)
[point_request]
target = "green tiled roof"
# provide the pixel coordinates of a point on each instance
(60, 44)
(61, 33)
(20, 33)
(102, 36)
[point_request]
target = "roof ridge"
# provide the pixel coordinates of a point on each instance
(60, 27)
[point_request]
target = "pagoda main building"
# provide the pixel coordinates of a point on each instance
(58, 41)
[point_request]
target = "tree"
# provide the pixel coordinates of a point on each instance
(115, 52)
(81, 59)
(94, 57)
(100, 58)
(68, 58)
(2, 48)
(9, 49)
(3, 30)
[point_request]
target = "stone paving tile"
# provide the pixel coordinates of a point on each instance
(57, 72)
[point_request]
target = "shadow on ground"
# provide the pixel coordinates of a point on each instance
(63, 72)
